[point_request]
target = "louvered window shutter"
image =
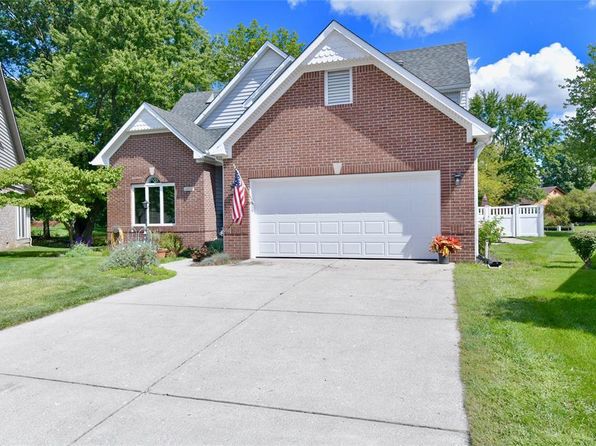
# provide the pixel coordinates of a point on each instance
(338, 87)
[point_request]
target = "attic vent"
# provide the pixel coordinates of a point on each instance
(338, 87)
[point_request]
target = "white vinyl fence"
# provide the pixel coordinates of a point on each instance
(517, 220)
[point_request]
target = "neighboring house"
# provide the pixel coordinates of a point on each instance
(15, 222)
(348, 152)
(551, 192)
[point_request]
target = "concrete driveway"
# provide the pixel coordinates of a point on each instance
(263, 352)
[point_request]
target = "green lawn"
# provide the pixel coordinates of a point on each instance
(37, 281)
(529, 345)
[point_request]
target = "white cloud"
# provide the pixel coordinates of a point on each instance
(294, 3)
(592, 3)
(538, 76)
(408, 16)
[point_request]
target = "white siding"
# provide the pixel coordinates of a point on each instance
(231, 107)
(7, 152)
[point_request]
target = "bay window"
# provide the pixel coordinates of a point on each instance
(154, 203)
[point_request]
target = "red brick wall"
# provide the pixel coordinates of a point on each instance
(386, 129)
(173, 163)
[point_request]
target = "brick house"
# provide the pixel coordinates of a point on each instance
(347, 152)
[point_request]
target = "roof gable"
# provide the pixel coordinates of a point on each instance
(10, 139)
(229, 104)
(151, 119)
(336, 47)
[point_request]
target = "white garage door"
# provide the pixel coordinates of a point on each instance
(389, 215)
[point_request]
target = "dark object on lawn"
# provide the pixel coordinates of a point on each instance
(491, 263)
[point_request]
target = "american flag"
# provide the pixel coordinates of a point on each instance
(239, 199)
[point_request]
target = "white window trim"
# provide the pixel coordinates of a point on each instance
(351, 88)
(146, 186)
(27, 225)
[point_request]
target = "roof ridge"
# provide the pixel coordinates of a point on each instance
(462, 42)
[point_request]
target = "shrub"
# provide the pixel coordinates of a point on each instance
(576, 206)
(135, 255)
(172, 242)
(80, 250)
(489, 231)
(220, 258)
(584, 244)
(215, 246)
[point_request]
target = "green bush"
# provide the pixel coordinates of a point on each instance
(215, 246)
(491, 231)
(135, 255)
(577, 206)
(216, 259)
(584, 244)
(80, 250)
(172, 242)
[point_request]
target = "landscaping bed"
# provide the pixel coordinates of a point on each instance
(528, 348)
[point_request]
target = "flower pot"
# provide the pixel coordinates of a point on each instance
(443, 260)
(162, 253)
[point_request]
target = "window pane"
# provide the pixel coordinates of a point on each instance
(154, 218)
(169, 204)
(140, 214)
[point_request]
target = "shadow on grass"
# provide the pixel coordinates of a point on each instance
(571, 306)
(30, 252)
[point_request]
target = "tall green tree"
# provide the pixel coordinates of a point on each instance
(25, 31)
(234, 49)
(562, 167)
(580, 129)
(56, 189)
(112, 56)
(523, 132)
(494, 181)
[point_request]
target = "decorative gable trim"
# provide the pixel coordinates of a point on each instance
(144, 120)
(361, 53)
(239, 76)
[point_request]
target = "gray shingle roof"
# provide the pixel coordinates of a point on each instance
(192, 105)
(201, 138)
(443, 67)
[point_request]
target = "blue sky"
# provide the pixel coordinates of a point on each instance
(513, 43)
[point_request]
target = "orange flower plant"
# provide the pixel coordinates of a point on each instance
(445, 245)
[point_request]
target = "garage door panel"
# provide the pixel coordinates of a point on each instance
(376, 216)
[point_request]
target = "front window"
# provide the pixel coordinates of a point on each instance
(154, 203)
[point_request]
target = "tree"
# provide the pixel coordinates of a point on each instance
(522, 131)
(112, 56)
(560, 167)
(25, 27)
(234, 49)
(580, 130)
(56, 189)
(494, 181)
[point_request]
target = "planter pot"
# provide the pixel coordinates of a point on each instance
(443, 260)
(162, 253)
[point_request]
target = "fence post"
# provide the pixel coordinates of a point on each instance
(486, 212)
(515, 220)
(541, 220)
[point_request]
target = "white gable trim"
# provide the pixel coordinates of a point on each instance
(474, 127)
(103, 157)
(239, 76)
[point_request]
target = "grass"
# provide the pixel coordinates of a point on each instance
(529, 345)
(38, 281)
